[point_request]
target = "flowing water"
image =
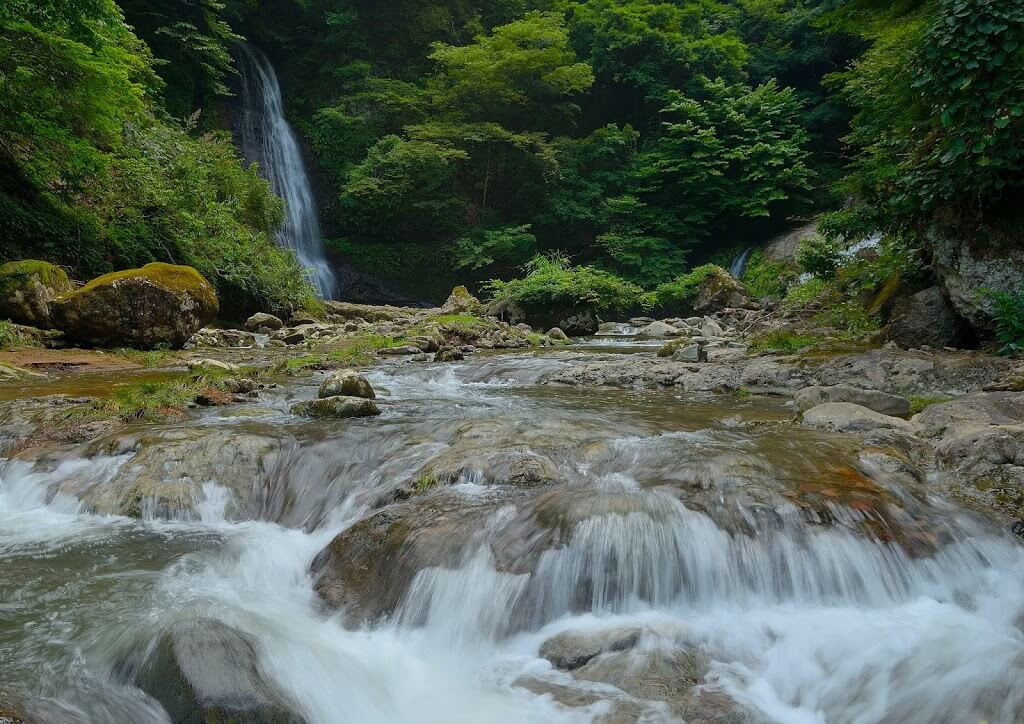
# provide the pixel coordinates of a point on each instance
(269, 141)
(813, 588)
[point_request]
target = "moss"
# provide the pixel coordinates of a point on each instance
(920, 402)
(49, 274)
(175, 277)
(781, 342)
(425, 482)
(13, 336)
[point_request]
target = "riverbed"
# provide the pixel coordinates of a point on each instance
(729, 565)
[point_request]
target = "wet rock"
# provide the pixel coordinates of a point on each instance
(690, 353)
(772, 377)
(233, 338)
(658, 330)
(159, 305)
(557, 335)
(399, 351)
(166, 475)
(460, 301)
(211, 365)
(900, 372)
(926, 318)
(875, 400)
(449, 355)
(213, 397)
(710, 328)
(572, 649)
(346, 383)
(424, 344)
(263, 321)
(336, 407)
(28, 287)
(205, 672)
(848, 417)
(13, 373)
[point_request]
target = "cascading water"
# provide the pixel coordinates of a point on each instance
(706, 541)
(739, 262)
(269, 141)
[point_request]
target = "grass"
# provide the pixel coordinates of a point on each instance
(781, 342)
(356, 352)
(13, 336)
(146, 358)
(425, 482)
(920, 402)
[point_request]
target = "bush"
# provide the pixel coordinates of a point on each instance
(681, 291)
(766, 278)
(1008, 312)
(819, 256)
(552, 282)
(804, 293)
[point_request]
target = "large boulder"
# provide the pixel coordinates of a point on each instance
(347, 383)
(28, 287)
(719, 290)
(926, 318)
(783, 248)
(848, 417)
(872, 399)
(264, 321)
(460, 301)
(968, 262)
(205, 672)
(159, 305)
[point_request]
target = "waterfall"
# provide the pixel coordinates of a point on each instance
(740, 262)
(269, 141)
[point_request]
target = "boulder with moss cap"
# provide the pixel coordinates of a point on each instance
(28, 287)
(159, 305)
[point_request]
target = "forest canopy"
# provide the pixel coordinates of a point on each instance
(636, 137)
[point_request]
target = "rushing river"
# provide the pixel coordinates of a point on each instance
(707, 526)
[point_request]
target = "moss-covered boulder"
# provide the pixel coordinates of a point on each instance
(460, 301)
(159, 305)
(717, 291)
(26, 289)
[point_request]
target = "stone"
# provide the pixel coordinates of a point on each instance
(968, 261)
(165, 476)
(293, 337)
(848, 417)
(406, 349)
(204, 671)
(875, 400)
(718, 291)
(460, 301)
(783, 248)
(424, 344)
(262, 320)
(524, 328)
(658, 330)
(449, 355)
(159, 305)
(926, 318)
(557, 335)
(572, 649)
(28, 287)
(690, 353)
(339, 406)
(346, 383)
(710, 328)
(211, 365)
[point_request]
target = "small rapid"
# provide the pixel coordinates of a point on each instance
(742, 569)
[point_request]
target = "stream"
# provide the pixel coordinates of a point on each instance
(747, 569)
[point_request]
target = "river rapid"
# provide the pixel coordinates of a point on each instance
(736, 567)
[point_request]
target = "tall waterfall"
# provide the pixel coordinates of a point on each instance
(269, 140)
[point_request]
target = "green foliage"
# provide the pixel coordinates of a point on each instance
(14, 336)
(781, 342)
(819, 256)
(506, 245)
(765, 278)
(97, 179)
(919, 402)
(1008, 313)
(804, 293)
(425, 482)
(680, 292)
(552, 282)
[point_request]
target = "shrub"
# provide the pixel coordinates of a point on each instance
(819, 256)
(681, 291)
(804, 293)
(1008, 312)
(766, 278)
(552, 282)
(781, 341)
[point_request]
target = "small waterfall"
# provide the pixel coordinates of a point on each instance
(739, 263)
(268, 140)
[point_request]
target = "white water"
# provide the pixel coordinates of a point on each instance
(801, 624)
(269, 141)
